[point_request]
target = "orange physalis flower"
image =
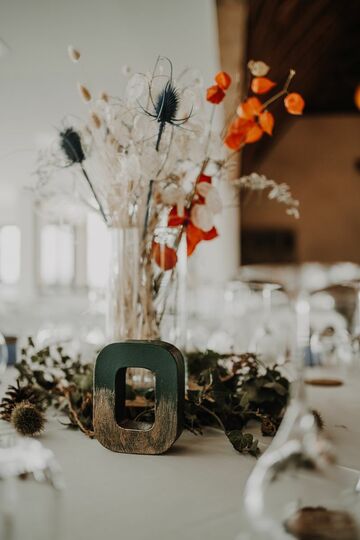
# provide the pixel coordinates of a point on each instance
(250, 107)
(294, 103)
(357, 97)
(261, 85)
(215, 94)
(223, 80)
(267, 121)
(164, 256)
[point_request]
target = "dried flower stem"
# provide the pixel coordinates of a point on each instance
(282, 92)
(95, 194)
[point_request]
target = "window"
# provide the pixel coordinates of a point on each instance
(97, 252)
(57, 255)
(10, 254)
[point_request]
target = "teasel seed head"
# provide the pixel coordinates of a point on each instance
(71, 145)
(27, 419)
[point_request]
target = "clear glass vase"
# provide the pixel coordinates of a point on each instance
(130, 307)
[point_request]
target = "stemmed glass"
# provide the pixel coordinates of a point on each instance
(266, 340)
(295, 489)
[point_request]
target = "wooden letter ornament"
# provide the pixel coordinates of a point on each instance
(119, 435)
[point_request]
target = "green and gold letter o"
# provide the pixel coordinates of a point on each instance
(167, 364)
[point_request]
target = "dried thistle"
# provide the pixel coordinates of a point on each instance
(70, 143)
(18, 394)
(27, 419)
(73, 53)
(84, 93)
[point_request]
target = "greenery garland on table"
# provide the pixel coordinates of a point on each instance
(226, 391)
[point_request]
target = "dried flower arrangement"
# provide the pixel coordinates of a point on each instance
(156, 155)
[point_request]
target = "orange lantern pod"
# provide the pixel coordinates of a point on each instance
(261, 85)
(249, 108)
(294, 103)
(223, 80)
(164, 256)
(357, 97)
(215, 94)
(254, 134)
(267, 121)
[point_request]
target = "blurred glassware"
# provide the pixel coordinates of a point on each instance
(331, 348)
(267, 340)
(30, 488)
(354, 284)
(296, 490)
(4, 356)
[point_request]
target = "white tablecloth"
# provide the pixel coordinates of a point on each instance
(193, 492)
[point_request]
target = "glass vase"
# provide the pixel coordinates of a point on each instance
(130, 308)
(171, 286)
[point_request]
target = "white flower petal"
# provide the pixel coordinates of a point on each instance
(203, 188)
(202, 217)
(173, 194)
(213, 200)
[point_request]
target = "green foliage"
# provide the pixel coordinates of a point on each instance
(225, 392)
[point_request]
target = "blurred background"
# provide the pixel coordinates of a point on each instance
(52, 275)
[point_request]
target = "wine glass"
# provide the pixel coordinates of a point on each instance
(267, 341)
(296, 490)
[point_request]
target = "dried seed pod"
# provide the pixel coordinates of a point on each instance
(104, 97)
(96, 120)
(27, 419)
(74, 54)
(84, 92)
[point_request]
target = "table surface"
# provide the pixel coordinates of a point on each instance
(192, 492)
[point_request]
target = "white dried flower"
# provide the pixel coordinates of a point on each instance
(211, 196)
(258, 68)
(172, 194)
(278, 192)
(213, 200)
(136, 88)
(202, 217)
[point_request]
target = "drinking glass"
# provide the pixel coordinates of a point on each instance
(267, 340)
